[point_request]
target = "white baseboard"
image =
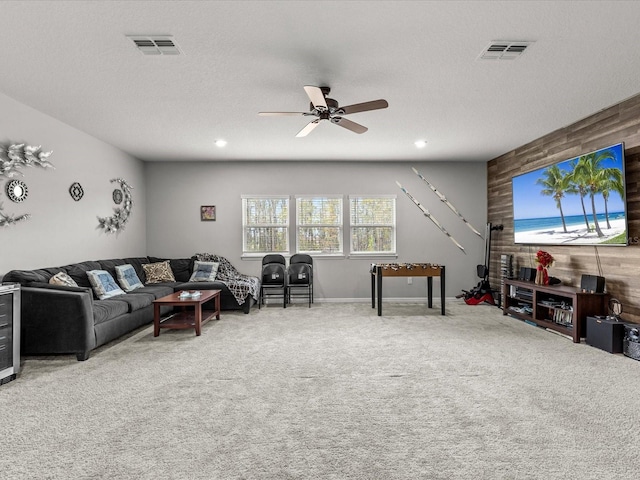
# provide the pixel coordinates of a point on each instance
(384, 299)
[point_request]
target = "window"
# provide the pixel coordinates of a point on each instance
(319, 224)
(373, 224)
(265, 224)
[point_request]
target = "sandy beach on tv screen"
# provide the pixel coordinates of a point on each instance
(575, 235)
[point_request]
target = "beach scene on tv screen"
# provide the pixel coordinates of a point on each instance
(580, 201)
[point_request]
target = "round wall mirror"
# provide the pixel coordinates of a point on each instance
(16, 190)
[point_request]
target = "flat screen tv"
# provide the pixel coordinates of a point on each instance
(580, 201)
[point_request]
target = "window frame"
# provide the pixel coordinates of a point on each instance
(245, 225)
(393, 225)
(340, 226)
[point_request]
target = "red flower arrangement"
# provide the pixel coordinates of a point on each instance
(544, 259)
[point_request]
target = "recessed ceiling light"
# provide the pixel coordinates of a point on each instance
(420, 143)
(221, 143)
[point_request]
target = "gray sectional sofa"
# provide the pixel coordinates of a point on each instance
(60, 319)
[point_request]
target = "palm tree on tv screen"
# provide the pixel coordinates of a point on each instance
(579, 186)
(613, 183)
(555, 183)
(597, 179)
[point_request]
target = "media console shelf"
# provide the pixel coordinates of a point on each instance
(560, 308)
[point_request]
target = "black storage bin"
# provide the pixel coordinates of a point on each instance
(631, 341)
(605, 334)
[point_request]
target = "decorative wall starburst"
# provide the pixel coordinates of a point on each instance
(18, 156)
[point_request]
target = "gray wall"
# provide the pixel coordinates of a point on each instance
(167, 196)
(63, 231)
(177, 190)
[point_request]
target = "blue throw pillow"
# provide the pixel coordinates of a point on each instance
(204, 271)
(128, 278)
(103, 284)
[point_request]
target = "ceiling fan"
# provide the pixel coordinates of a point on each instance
(325, 108)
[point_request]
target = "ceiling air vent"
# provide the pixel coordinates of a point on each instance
(501, 50)
(155, 45)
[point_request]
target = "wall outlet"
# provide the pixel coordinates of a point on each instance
(409, 280)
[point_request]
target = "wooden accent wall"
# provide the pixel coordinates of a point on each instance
(620, 265)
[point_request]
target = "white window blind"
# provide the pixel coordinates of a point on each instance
(373, 224)
(265, 224)
(319, 224)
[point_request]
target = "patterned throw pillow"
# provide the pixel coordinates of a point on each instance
(127, 277)
(63, 279)
(204, 271)
(158, 272)
(103, 284)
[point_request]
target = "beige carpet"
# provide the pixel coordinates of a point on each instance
(331, 392)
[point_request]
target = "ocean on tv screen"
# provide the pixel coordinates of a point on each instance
(550, 231)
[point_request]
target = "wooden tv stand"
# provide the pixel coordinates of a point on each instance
(560, 308)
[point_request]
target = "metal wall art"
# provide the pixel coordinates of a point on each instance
(117, 221)
(22, 155)
(6, 220)
(117, 196)
(13, 158)
(17, 191)
(76, 191)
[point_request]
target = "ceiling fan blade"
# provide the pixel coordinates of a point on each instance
(363, 107)
(307, 129)
(317, 97)
(281, 114)
(349, 125)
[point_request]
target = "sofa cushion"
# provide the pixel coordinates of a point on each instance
(157, 290)
(24, 277)
(204, 271)
(103, 284)
(135, 302)
(127, 277)
(104, 310)
(110, 265)
(78, 271)
(182, 268)
(61, 288)
(158, 272)
(62, 278)
(201, 286)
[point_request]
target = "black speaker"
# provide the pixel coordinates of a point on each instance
(605, 334)
(527, 273)
(592, 284)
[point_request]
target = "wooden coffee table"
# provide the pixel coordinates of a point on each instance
(186, 318)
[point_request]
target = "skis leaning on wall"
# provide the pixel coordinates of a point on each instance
(430, 217)
(446, 202)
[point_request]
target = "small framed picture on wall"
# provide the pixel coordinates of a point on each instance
(208, 213)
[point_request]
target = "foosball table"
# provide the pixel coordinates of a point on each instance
(429, 270)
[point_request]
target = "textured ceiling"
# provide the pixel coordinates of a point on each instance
(73, 61)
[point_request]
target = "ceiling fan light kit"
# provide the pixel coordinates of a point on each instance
(325, 108)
